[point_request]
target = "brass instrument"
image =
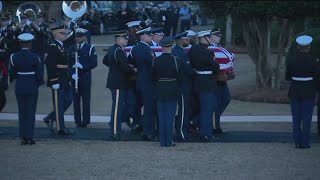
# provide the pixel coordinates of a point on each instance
(74, 10)
(29, 8)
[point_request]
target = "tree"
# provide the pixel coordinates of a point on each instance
(256, 18)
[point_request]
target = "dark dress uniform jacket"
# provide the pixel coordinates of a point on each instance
(301, 65)
(119, 70)
(87, 58)
(201, 59)
(185, 61)
(166, 72)
(143, 56)
(40, 43)
(57, 63)
(24, 61)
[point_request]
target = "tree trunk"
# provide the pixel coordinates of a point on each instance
(229, 31)
(256, 34)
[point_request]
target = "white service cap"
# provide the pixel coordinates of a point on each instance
(191, 33)
(143, 31)
(304, 40)
(133, 23)
(25, 37)
(204, 33)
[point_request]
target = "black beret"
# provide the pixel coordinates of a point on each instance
(166, 42)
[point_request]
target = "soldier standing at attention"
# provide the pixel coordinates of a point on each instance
(201, 60)
(58, 79)
(222, 92)
(87, 60)
(117, 82)
(300, 70)
(25, 66)
(166, 72)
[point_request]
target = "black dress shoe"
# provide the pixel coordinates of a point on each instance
(66, 132)
(117, 137)
(31, 142)
(305, 147)
(24, 141)
(219, 131)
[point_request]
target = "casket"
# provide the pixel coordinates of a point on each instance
(222, 56)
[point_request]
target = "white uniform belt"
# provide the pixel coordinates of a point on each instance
(167, 79)
(26, 73)
(302, 78)
(203, 72)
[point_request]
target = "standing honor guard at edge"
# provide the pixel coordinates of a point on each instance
(25, 66)
(87, 60)
(300, 70)
(57, 62)
(167, 74)
(117, 82)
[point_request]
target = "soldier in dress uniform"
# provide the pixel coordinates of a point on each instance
(157, 35)
(201, 60)
(300, 70)
(222, 91)
(193, 37)
(87, 60)
(133, 98)
(57, 62)
(143, 56)
(26, 68)
(40, 43)
(167, 74)
(133, 27)
(184, 102)
(119, 72)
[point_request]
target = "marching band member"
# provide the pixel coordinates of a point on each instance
(184, 102)
(157, 35)
(167, 74)
(143, 56)
(87, 60)
(24, 27)
(300, 70)
(58, 79)
(204, 82)
(26, 67)
(117, 82)
(40, 43)
(222, 91)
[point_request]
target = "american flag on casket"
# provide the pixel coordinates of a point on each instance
(224, 57)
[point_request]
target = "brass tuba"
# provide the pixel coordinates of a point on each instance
(29, 8)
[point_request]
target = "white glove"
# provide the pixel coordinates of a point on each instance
(56, 86)
(77, 65)
(74, 76)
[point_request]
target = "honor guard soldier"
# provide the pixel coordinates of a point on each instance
(133, 27)
(157, 35)
(40, 43)
(300, 70)
(58, 79)
(193, 37)
(184, 102)
(133, 98)
(201, 60)
(222, 92)
(143, 56)
(26, 68)
(167, 74)
(117, 82)
(87, 60)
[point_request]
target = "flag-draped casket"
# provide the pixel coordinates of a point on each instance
(222, 56)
